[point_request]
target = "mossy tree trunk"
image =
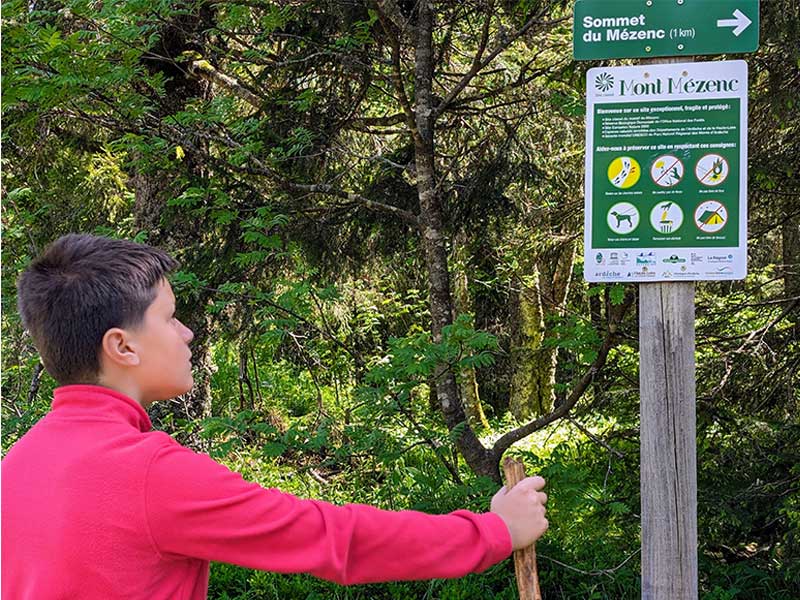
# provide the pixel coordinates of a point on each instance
(544, 286)
(468, 381)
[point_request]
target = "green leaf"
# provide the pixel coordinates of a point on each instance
(273, 449)
(616, 294)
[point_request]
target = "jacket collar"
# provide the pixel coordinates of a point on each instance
(97, 401)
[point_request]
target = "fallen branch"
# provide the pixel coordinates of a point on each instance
(607, 572)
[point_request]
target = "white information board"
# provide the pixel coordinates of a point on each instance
(666, 172)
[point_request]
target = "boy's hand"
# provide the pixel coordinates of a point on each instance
(522, 509)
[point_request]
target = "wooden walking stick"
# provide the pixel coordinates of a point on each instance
(525, 559)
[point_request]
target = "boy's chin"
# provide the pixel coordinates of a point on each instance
(175, 392)
(186, 389)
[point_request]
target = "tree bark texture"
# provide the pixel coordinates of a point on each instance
(533, 365)
(431, 224)
(543, 292)
(790, 234)
(468, 382)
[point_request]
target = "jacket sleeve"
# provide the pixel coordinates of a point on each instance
(196, 507)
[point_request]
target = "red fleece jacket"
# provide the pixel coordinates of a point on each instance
(97, 506)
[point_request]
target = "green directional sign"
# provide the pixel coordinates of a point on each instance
(642, 28)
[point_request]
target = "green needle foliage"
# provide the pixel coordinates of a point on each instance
(362, 238)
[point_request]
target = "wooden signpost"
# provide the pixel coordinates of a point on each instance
(715, 250)
(668, 443)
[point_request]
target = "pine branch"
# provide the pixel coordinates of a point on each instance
(205, 70)
(479, 63)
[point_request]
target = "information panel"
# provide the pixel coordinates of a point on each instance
(666, 172)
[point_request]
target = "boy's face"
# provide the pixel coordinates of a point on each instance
(162, 343)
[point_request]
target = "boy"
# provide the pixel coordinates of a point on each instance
(96, 505)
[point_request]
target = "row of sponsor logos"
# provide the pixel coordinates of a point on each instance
(622, 259)
(647, 273)
(645, 265)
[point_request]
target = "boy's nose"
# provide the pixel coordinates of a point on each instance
(188, 334)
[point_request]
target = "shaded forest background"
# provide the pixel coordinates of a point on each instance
(378, 211)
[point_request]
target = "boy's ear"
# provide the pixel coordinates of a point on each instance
(118, 348)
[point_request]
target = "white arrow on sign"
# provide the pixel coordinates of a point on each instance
(740, 22)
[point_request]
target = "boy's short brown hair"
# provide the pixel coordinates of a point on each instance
(80, 287)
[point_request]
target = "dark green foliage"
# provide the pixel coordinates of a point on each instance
(313, 305)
